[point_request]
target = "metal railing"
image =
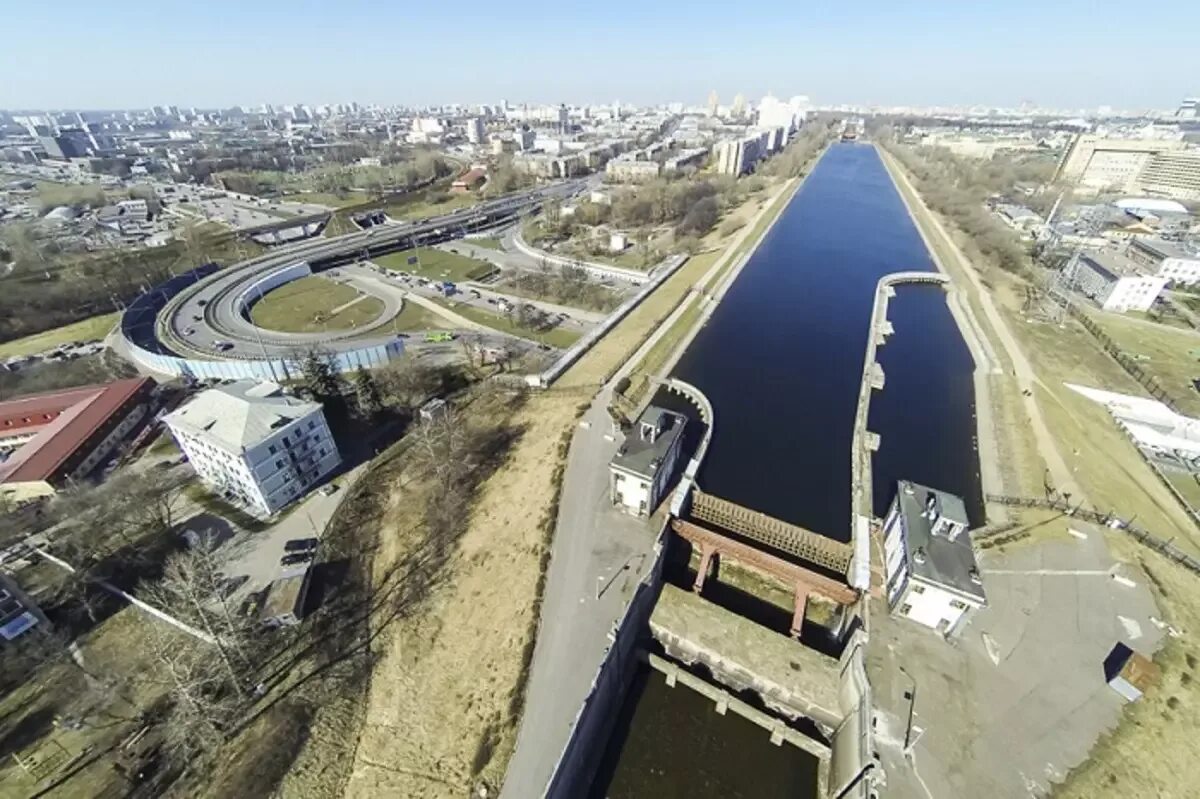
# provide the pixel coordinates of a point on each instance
(1111, 520)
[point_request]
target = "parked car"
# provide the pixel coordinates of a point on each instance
(329, 489)
(295, 558)
(301, 545)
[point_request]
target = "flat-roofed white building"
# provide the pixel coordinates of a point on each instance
(1115, 282)
(255, 445)
(932, 575)
(1169, 259)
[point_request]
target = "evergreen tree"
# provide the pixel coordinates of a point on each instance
(367, 394)
(320, 377)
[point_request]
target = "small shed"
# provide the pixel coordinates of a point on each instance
(434, 409)
(1130, 673)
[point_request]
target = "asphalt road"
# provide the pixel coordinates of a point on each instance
(210, 304)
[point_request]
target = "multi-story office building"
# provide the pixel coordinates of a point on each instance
(1173, 174)
(255, 445)
(1163, 167)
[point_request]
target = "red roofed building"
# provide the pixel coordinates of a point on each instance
(46, 440)
(469, 180)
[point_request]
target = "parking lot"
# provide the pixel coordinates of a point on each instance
(59, 354)
(1020, 698)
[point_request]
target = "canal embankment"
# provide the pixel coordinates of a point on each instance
(677, 331)
(995, 363)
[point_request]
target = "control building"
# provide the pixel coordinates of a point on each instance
(932, 575)
(641, 468)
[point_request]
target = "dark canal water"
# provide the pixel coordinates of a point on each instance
(781, 360)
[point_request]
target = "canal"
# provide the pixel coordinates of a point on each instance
(781, 358)
(781, 361)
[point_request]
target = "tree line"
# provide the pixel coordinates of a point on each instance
(567, 285)
(48, 288)
(956, 189)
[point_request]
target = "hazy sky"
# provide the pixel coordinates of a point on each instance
(209, 53)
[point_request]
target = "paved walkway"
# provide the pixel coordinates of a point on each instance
(593, 547)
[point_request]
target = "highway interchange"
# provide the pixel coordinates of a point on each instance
(208, 320)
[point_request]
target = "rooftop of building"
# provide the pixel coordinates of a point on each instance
(64, 421)
(1166, 249)
(642, 453)
(1114, 263)
(938, 559)
(238, 415)
(1153, 204)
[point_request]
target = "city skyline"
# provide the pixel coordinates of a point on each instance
(1070, 56)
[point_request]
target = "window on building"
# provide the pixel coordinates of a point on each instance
(279, 464)
(905, 609)
(272, 449)
(286, 441)
(312, 425)
(958, 604)
(918, 588)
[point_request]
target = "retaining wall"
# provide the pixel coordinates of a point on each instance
(591, 267)
(555, 370)
(576, 767)
(258, 288)
(276, 369)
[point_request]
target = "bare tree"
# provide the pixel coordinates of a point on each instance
(193, 589)
(202, 711)
(441, 446)
(472, 347)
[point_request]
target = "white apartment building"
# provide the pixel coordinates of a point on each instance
(1115, 282)
(738, 156)
(789, 115)
(1172, 260)
(627, 170)
(932, 576)
(255, 445)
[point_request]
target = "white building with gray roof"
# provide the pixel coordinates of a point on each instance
(932, 576)
(1115, 282)
(255, 445)
(642, 466)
